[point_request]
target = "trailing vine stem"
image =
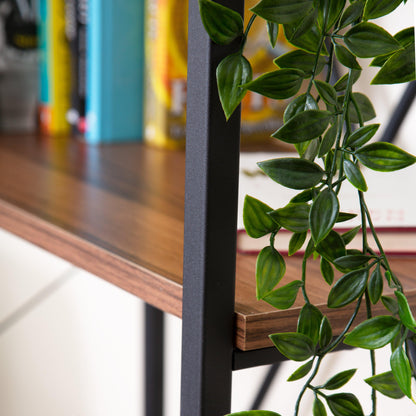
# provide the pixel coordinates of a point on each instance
(307, 384)
(339, 136)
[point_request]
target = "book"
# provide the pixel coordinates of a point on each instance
(166, 40)
(54, 68)
(391, 205)
(115, 44)
(76, 15)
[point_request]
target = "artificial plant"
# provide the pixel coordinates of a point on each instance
(328, 124)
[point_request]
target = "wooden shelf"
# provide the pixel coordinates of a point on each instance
(117, 211)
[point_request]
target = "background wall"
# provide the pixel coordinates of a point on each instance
(71, 344)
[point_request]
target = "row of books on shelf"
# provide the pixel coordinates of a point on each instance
(116, 71)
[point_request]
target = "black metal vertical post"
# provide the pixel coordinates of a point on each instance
(399, 113)
(154, 327)
(212, 158)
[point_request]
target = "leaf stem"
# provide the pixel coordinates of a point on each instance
(338, 339)
(245, 35)
(379, 246)
(306, 385)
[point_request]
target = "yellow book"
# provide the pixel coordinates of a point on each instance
(58, 69)
(165, 76)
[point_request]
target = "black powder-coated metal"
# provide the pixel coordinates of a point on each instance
(263, 356)
(211, 189)
(154, 361)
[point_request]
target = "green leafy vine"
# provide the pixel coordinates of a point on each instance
(329, 126)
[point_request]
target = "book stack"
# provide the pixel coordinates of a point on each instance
(116, 72)
(91, 69)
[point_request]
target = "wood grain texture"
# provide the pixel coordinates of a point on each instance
(117, 211)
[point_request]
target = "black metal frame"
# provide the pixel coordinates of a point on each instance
(211, 194)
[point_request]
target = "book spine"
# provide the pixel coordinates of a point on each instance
(76, 13)
(166, 67)
(115, 59)
(58, 68)
(44, 50)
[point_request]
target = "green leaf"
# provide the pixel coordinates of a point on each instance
(327, 271)
(348, 288)
(300, 60)
(402, 372)
(384, 157)
(352, 261)
(348, 236)
(309, 321)
(331, 247)
(378, 8)
(279, 84)
(346, 58)
(339, 379)
(255, 413)
(375, 285)
(400, 67)
(304, 126)
(332, 9)
(344, 404)
(318, 408)
(301, 372)
(256, 220)
(295, 346)
(374, 333)
(285, 296)
(367, 40)
(325, 333)
(299, 105)
(294, 217)
(270, 268)
(292, 172)
(304, 196)
(351, 14)
(405, 314)
(390, 304)
(365, 107)
(386, 384)
(232, 72)
(328, 140)
(326, 91)
(354, 175)
(305, 34)
(405, 37)
(323, 214)
(282, 11)
(273, 32)
(296, 242)
(341, 84)
(362, 135)
(222, 24)
(345, 216)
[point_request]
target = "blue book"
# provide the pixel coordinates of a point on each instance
(115, 64)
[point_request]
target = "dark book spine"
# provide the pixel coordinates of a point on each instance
(75, 29)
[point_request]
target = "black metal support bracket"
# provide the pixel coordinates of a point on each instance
(154, 361)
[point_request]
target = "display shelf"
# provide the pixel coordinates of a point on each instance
(117, 211)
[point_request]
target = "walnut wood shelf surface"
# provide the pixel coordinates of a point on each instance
(117, 211)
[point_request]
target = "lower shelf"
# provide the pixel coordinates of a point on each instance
(117, 211)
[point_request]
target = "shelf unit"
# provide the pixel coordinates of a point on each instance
(118, 212)
(108, 210)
